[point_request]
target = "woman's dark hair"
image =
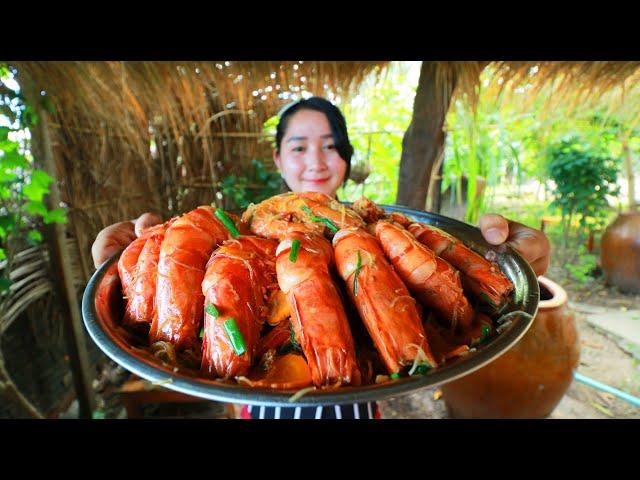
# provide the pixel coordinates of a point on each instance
(336, 121)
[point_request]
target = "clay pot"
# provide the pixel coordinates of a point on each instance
(530, 379)
(620, 252)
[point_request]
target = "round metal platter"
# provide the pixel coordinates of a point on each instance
(102, 309)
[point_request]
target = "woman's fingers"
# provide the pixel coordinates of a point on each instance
(115, 237)
(494, 228)
(532, 244)
(145, 221)
(111, 239)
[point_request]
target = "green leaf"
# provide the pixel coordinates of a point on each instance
(8, 145)
(3, 256)
(34, 237)
(13, 160)
(36, 208)
(7, 222)
(35, 192)
(41, 178)
(4, 133)
(5, 283)
(7, 177)
(57, 215)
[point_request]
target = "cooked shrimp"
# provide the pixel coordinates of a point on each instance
(481, 276)
(386, 307)
(235, 286)
(428, 276)
(140, 307)
(311, 212)
(319, 320)
(184, 253)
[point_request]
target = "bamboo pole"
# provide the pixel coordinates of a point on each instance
(630, 178)
(62, 270)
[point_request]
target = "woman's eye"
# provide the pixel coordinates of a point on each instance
(298, 149)
(331, 146)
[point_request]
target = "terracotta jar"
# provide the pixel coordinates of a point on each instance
(620, 252)
(530, 379)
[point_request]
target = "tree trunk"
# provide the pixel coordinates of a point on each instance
(56, 237)
(423, 142)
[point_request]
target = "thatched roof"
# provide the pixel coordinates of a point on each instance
(615, 86)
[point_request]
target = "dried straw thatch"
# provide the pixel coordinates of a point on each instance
(129, 137)
(572, 85)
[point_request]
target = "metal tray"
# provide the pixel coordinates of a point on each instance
(102, 308)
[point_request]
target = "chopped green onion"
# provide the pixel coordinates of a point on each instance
(332, 226)
(394, 376)
(292, 338)
(202, 332)
(227, 222)
(212, 310)
(293, 254)
(422, 369)
(487, 299)
(235, 336)
(355, 277)
(485, 331)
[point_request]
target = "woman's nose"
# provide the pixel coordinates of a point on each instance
(315, 159)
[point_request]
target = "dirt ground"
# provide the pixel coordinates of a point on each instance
(601, 359)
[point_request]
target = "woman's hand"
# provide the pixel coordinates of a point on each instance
(532, 244)
(117, 236)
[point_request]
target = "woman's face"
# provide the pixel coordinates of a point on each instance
(308, 159)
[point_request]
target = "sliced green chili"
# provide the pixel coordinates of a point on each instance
(355, 277)
(227, 222)
(293, 254)
(332, 226)
(235, 336)
(212, 310)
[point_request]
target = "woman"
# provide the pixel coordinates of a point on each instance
(313, 153)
